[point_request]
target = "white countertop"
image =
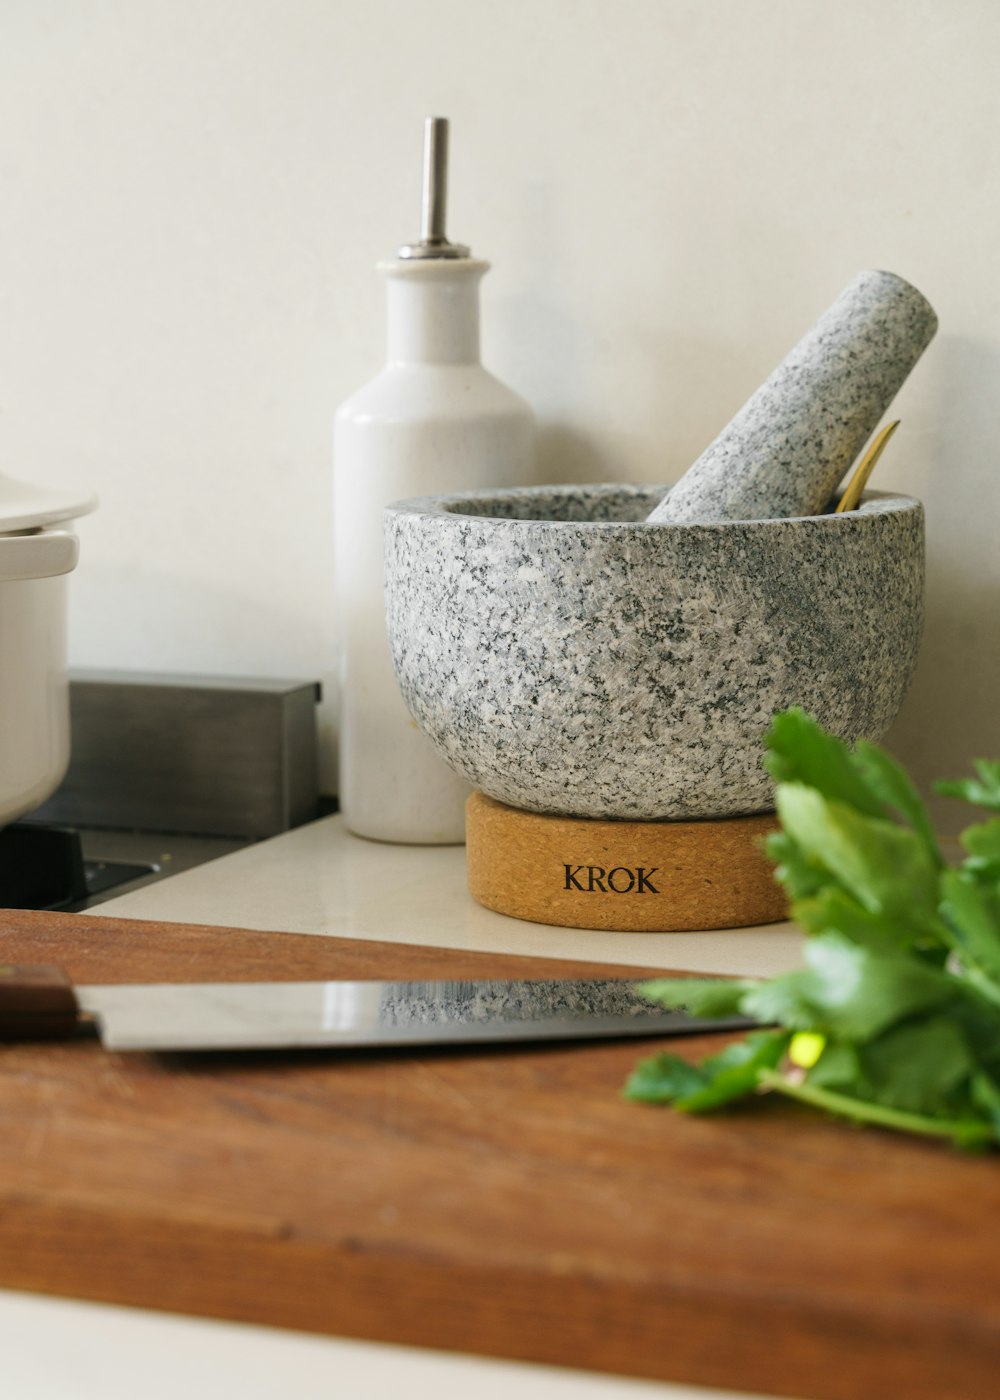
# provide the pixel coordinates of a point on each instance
(321, 880)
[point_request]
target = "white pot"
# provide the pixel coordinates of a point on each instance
(35, 557)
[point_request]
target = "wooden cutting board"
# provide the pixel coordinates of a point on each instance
(504, 1202)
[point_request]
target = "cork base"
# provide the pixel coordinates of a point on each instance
(626, 876)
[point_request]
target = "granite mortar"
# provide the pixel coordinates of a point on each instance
(566, 655)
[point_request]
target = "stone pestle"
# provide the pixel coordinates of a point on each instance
(786, 451)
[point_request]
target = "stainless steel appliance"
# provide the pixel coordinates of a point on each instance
(167, 772)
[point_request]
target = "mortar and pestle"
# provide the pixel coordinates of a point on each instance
(602, 662)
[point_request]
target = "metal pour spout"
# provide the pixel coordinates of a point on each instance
(433, 241)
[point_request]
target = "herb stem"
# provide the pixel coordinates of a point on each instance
(963, 1132)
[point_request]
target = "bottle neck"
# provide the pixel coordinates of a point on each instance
(434, 310)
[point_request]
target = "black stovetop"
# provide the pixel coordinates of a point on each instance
(44, 867)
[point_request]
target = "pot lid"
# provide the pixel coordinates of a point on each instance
(24, 507)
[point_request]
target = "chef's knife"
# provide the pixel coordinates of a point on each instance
(40, 1002)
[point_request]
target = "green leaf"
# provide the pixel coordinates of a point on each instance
(985, 1094)
(885, 867)
(799, 875)
(890, 782)
(973, 914)
(983, 840)
(858, 993)
(977, 1012)
(982, 791)
(800, 751)
(789, 1000)
(834, 911)
(918, 1066)
(847, 991)
(983, 845)
(984, 869)
(662, 1079)
(839, 1064)
(735, 1072)
(710, 996)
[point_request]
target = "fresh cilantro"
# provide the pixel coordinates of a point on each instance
(895, 1019)
(982, 791)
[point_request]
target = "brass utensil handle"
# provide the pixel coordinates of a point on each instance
(851, 498)
(37, 1003)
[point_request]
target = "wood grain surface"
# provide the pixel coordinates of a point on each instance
(503, 1202)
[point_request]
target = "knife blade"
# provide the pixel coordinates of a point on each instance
(43, 1003)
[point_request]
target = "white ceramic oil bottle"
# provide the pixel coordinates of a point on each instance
(434, 420)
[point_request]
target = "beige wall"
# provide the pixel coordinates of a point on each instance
(194, 193)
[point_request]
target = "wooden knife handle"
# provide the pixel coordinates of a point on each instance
(36, 1003)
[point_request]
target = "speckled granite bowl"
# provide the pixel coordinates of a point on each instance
(566, 656)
